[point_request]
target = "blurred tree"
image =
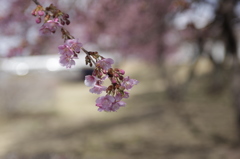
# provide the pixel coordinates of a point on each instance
(147, 30)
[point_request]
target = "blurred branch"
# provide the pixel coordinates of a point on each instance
(36, 2)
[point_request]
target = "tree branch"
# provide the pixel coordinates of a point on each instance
(36, 2)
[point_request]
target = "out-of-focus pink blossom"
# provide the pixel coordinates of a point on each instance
(74, 44)
(126, 94)
(109, 104)
(97, 89)
(66, 61)
(117, 105)
(45, 30)
(50, 27)
(105, 63)
(119, 96)
(65, 50)
(15, 52)
(129, 83)
(105, 103)
(90, 80)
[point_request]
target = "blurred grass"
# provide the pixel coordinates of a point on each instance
(200, 126)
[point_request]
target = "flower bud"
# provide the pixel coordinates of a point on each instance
(65, 16)
(67, 22)
(38, 20)
(40, 13)
(115, 75)
(121, 78)
(121, 71)
(114, 80)
(34, 13)
(62, 22)
(110, 73)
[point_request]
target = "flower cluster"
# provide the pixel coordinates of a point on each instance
(116, 91)
(112, 101)
(50, 27)
(53, 18)
(68, 52)
(38, 12)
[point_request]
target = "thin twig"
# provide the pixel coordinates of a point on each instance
(65, 32)
(88, 54)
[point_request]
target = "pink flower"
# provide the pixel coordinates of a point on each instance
(117, 105)
(66, 61)
(44, 30)
(90, 80)
(126, 94)
(50, 27)
(129, 83)
(65, 50)
(53, 24)
(74, 44)
(119, 96)
(105, 103)
(97, 89)
(109, 104)
(105, 63)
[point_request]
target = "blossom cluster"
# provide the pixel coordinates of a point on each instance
(116, 91)
(68, 52)
(53, 18)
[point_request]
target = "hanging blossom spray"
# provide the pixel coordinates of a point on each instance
(116, 91)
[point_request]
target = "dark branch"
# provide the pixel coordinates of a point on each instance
(36, 2)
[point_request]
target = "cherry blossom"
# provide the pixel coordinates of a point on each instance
(97, 89)
(105, 63)
(50, 27)
(117, 105)
(129, 83)
(105, 103)
(90, 80)
(74, 44)
(65, 50)
(66, 61)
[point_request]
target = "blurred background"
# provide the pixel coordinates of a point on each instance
(185, 53)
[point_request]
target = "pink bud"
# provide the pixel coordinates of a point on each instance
(38, 20)
(62, 22)
(41, 13)
(67, 22)
(114, 80)
(121, 71)
(34, 12)
(115, 75)
(65, 16)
